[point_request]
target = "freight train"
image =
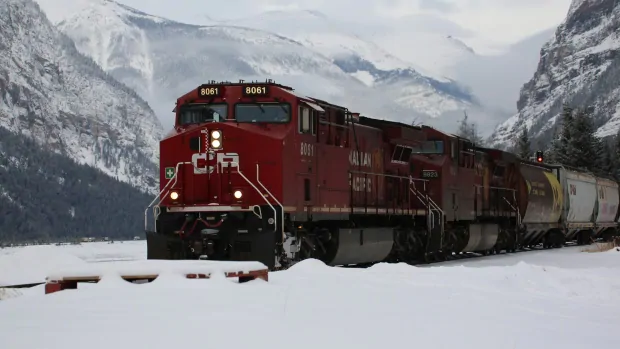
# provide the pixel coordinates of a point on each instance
(256, 171)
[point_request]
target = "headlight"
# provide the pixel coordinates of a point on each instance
(238, 194)
(216, 143)
(174, 195)
(216, 135)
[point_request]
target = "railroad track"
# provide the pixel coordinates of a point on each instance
(471, 255)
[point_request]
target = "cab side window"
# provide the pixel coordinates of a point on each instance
(307, 121)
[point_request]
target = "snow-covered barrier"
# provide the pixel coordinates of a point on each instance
(149, 270)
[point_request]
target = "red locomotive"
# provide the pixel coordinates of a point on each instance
(255, 171)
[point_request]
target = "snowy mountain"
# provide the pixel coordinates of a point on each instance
(579, 65)
(62, 100)
(338, 40)
(498, 78)
(431, 43)
(163, 59)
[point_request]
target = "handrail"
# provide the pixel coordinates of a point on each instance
(158, 196)
(275, 212)
(274, 198)
(174, 181)
(431, 206)
(416, 192)
(519, 218)
(514, 197)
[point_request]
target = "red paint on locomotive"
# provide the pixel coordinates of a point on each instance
(245, 142)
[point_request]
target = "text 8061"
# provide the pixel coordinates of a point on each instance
(209, 91)
(255, 90)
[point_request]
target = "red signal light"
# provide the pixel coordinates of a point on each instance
(539, 156)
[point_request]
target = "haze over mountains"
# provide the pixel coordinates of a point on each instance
(414, 69)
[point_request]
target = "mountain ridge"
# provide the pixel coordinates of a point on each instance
(328, 75)
(67, 103)
(78, 149)
(578, 66)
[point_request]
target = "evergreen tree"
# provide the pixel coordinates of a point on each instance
(524, 146)
(552, 155)
(616, 156)
(603, 166)
(583, 144)
(607, 166)
(46, 196)
(563, 149)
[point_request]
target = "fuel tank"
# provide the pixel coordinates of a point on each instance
(540, 195)
(359, 245)
(481, 237)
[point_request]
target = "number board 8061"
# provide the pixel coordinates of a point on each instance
(209, 91)
(255, 90)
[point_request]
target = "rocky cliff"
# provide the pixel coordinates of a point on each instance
(66, 103)
(580, 66)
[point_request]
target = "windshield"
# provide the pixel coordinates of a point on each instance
(199, 113)
(429, 147)
(263, 112)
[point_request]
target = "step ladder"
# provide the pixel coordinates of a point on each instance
(434, 217)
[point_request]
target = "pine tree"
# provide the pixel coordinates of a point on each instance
(552, 155)
(524, 146)
(603, 166)
(564, 150)
(607, 161)
(616, 157)
(583, 144)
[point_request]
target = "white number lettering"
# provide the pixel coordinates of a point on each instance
(307, 149)
(209, 91)
(361, 184)
(255, 90)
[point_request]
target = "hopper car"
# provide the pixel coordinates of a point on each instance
(256, 171)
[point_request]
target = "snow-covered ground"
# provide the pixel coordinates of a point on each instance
(31, 264)
(561, 298)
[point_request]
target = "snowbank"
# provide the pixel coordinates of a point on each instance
(158, 267)
(31, 264)
(520, 306)
(559, 298)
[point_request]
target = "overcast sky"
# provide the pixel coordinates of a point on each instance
(502, 21)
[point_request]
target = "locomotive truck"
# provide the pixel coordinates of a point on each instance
(256, 171)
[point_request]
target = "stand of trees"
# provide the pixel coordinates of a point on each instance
(48, 197)
(575, 145)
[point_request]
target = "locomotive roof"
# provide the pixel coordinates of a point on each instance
(377, 123)
(271, 82)
(242, 82)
